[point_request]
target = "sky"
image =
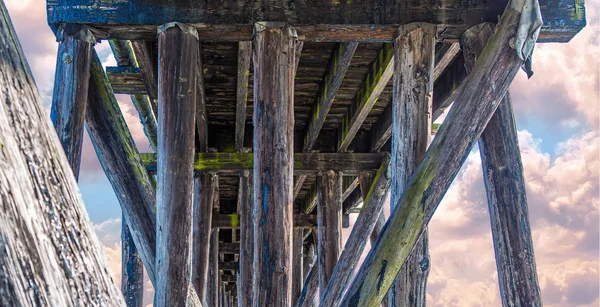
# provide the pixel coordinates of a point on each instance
(558, 119)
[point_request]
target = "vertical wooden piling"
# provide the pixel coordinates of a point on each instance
(505, 188)
(274, 58)
(329, 217)
(178, 50)
(297, 257)
(71, 81)
(414, 56)
(132, 274)
(212, 288)
(246, 240)
(204, 190)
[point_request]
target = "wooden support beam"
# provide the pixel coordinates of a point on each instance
(132, 269)
(315, 20)
(228, 278)
(229, 248)
(178, 50)
(357, 240)
(329, 214)
(309, 260)
(243, 71)
(414, 54)
(444, 55)
(126, 80)
(475, 105)
(246, 245)
(71, 82)
(310, 287)
(229, 266)
(377, 78)
(274, 65)
(297, 258)
(45, 230)
(148, 64)
(311, 163)
(447, 85)
(212, 291)
(505, 189)
(232, 221)
(204, 191)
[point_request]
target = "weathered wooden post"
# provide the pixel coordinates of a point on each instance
(132, 275)
(204, 190)
(212, 291)
(474, 106)
(246, 240)
(71, 81)
(505, 187)
(329, 215)
(274, 58)
(45, 232)
(178, 51)
(411, 133)
(297, 257)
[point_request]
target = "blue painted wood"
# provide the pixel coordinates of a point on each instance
(132, 269)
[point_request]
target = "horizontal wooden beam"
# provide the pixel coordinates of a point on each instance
(232, 221)
(126, 80)
(229, 248)
(228, 278)
(304, 163)
(314, 20)
(229, 266)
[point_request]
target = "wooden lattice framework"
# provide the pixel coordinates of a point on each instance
(252, 178)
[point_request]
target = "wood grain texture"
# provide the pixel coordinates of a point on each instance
(243, 71)
(204, 193)
(246, 245)
(232, 221)
(132, 269)
(310, 288)
(274, 66)
(212, 291)
(71, 81)
(45, 232)
(444, 55)
(505, 189)
(475, 105)
(414, 53)
(372, 209)
(139, 18)
(447, 86)
(148, 64)
(297, 258)
(329, 214)
(178, 50)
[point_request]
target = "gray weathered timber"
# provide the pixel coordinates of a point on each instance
(372, 209)
(212, 288)
(243, 71)
(123, 167)
(71, 81)
(309, 290)
(309, 260)
(45, 232)
(443, 57)
(447, 85)
(202, 227)
(475, 105)
(246, 245)
(317, 20)
(377, 78)
(126, 80)
(505, 188)
(329, 215)
(414, 53)
(309, 163)
(178, 51)
(132, 269)
(232, 221)
(148, 64)
(274, 47)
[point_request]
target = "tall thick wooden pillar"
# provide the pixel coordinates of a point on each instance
(71, 82)
(297, 258)
(178, 50)
(132, 275)
(414, 54)
(329, 218)
(212, 288)
(274, 59)
(505, 188)
(246, 240)
(204, 189)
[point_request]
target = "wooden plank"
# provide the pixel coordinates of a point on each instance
(447, 85)
(311, 163)
(71, 82)
(45, 230)
(377, 78)
(246, 244)
(126, 80)
(505, 189)
(329, 214)
(229, 248)
(148, 64)
(243, 71)
(178, 50)
(444, 55)
(358, 238)
(274, 48)
(317, 20)
(232, 221)
(204, 190)
(132, 269)
(297, 258)
(475, 105)
(414, 54)
(212, 296)
(229, 266)
(310, 288)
